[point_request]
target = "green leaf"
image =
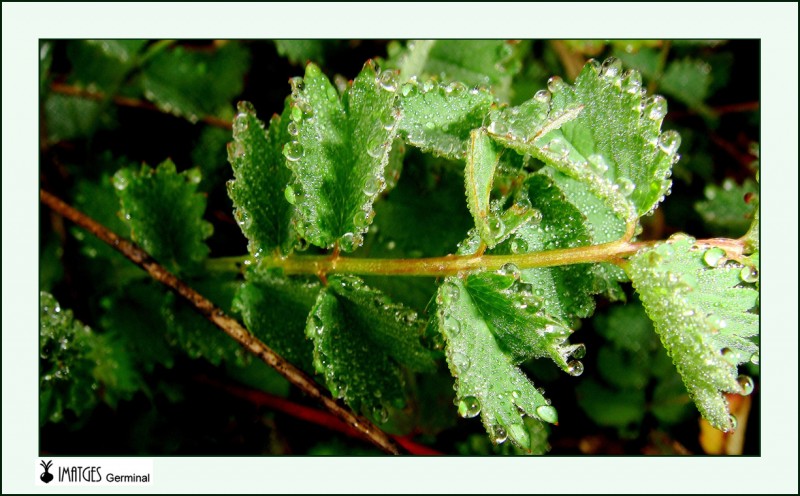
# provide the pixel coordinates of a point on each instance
(195, 334)
(75, 363)
(602, 132)
(489, 63)
(360, 340)
(729, 209)
(72, 117)
(103, 64)
(259, 189)
(438, 118)
(479, 178)
(703, 311)
(165, 214)
(274, 308)
(133, 317)
(687, 80)
(611, 408)
(196, 83)
(98, 200)
(479, 445)
(566, 291)
(339, 154)
(491, 323)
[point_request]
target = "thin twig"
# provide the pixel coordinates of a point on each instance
(229, 325)
(730, 108)
(123, 101)
(305, 413)
(572, 61)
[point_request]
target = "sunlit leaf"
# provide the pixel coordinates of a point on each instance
(339, 152)
(705, 313)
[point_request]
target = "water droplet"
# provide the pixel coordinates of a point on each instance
(547, 413)
(498, 128)
(373, 185)
(236, 150)
(292, 128)
(452, 326)
(469, 406)
(746, 383)
(406, 89)
(626, 186)
(555, 84)
(461, 361)
(360, 219)
(655, 107)
(749, 274)
(388, 121)
(347, 242)
(669, 141)
(496, 227)
(388, 80)
(579, 352)
(316, 321)
(755, 359)
(611, 68)
(598, 164)
(499, 434)
(296, 113)
(575, 368)
(509, 269)
(542, 96)
(519, 245)
(714, 256)
(240, 124)
(289, 194)
(293, 151)
(680, 236)
(734, 423)
(632, 82)
(558, 146)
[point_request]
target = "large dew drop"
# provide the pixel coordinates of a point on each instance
(555, 84)
(461, 361)
(669, 141)
(547, 413)
(388, 80)
(575, 368)
(746, 383)
(293, 151)
(450, 293)
(655, 108)
(714, 256)
(499, 434)
(749, 274)
(469, 406)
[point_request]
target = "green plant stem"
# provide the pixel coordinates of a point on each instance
(227, 324)
(614, 252)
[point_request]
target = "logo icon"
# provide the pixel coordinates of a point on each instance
(46, 477)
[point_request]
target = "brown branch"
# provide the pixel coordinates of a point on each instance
(123, 101)
(228, 325)
(305, 413)
(730, 108)
(573, 62)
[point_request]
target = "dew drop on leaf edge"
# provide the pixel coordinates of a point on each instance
(746, 383)
(469, 406)
(547, 413)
